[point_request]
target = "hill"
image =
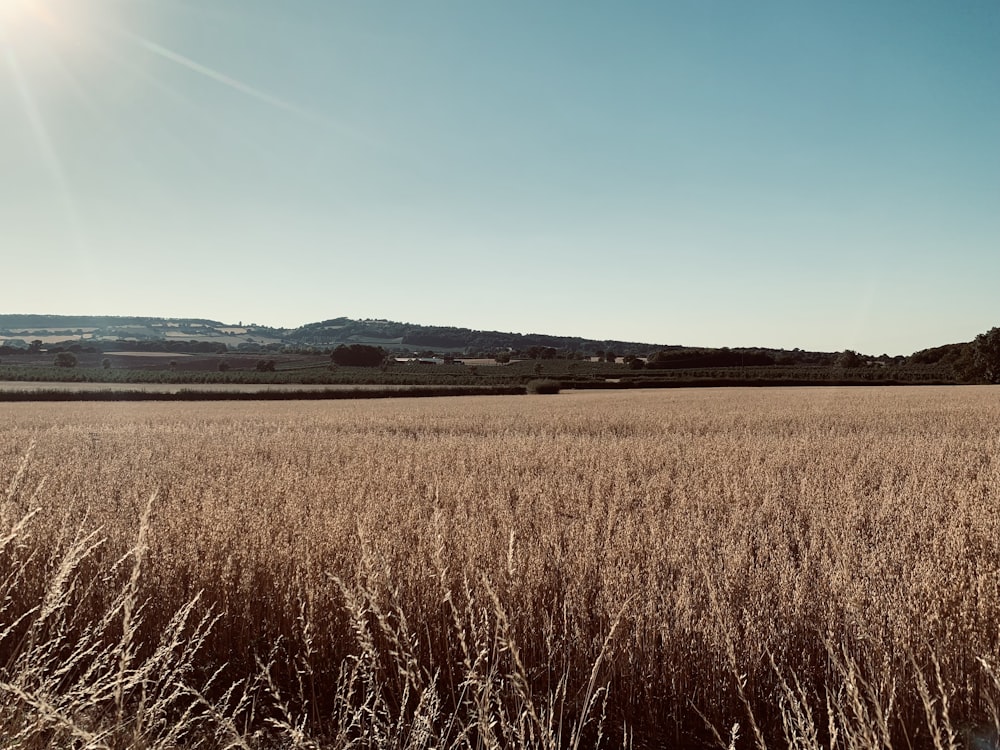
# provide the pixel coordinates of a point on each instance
(147, 333)
(393, 335)
(45, 334)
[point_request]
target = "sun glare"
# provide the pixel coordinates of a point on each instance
(14, 13)
(31, 21)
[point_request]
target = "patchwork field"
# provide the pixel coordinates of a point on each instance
(820, 567)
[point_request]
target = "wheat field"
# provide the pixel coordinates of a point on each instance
(765, 568)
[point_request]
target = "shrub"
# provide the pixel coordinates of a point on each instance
(543, 386)
(358, 355)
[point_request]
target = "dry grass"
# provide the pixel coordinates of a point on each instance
(819, 566)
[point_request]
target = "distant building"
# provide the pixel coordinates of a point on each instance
(420, 360)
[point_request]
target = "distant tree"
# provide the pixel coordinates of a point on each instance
(947, 354)
(610, 356)
(358, 355)
(543, 386)
(65, 359)
(986, 356)
(634, 363)
(106, 363)
(849, 358)
(223, 366)
(35, 346)
(265, 365)
(502, 358)
(785, 358)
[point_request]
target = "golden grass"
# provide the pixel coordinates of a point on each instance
(819, 565)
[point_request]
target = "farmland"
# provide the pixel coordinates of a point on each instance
(651, 568)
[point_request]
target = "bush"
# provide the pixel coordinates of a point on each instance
(543, 386)
(358, 355)
(65, 359)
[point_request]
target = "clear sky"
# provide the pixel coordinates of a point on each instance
(822, 175)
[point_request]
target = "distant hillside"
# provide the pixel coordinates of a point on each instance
(409, 337)
(110, 333)
(25, 323)
(403, 337)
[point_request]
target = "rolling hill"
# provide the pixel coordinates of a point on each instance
(107, 331)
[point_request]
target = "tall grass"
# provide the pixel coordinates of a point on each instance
(757, 568)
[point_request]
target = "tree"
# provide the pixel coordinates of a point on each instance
(633, 362)
(265, 365)
(986, 355)
(849, 358)
(65, 359)
(543, 386)
(358, 355)
(106, 363)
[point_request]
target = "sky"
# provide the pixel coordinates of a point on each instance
(820, 175)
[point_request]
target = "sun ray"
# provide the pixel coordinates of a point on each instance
(240, 86)
(114, 56)
(215, 75)
(23, 19)
(47, 150)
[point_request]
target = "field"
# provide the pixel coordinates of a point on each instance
(84, 387)
(17, 392)
(675, 568)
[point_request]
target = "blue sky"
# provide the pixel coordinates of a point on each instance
(786, 174)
